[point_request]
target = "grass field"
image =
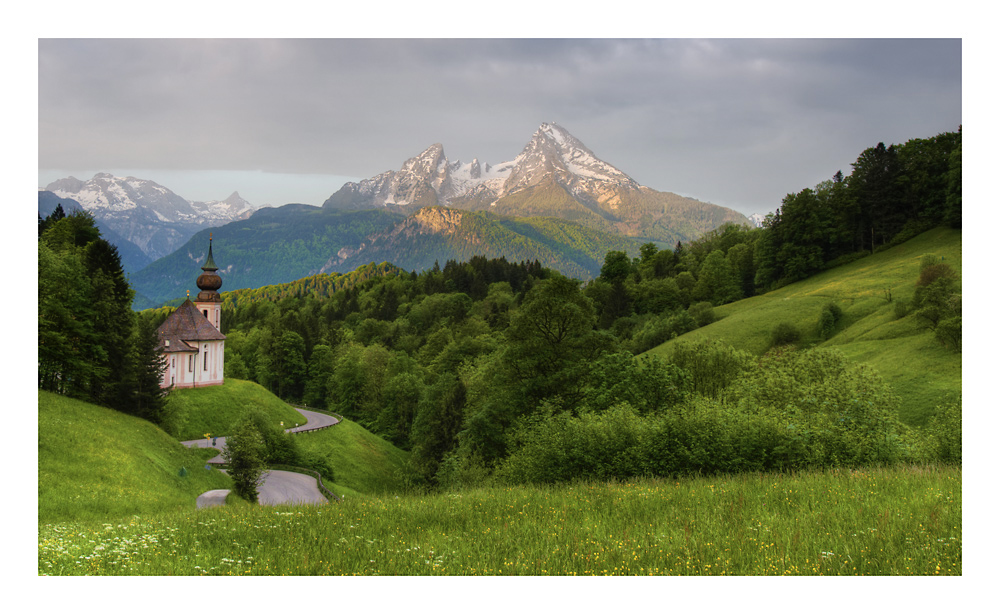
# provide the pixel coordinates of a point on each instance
(213, 409)
(98, 464)
(359, 461)
(902, 521)
(922, 372)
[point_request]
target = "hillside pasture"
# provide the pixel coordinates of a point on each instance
(95, 463)
(354, 460)
(194, 412)
(903, 350)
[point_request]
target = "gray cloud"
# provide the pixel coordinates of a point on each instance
(735, 122)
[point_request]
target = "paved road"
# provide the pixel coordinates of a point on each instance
(288, 487)
(278, 486)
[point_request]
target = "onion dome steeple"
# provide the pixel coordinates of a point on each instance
(209, 282)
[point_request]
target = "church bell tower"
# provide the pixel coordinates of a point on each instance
(209, 301)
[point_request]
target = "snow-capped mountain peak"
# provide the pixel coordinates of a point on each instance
(430, 178)
(146, 213)
(552, 150)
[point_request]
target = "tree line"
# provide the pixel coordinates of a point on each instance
(91, 345)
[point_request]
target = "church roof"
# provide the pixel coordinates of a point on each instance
(186, 324)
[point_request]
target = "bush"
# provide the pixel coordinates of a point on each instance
(829, 318)
(900, 308)
(785, 334)
(791, 410)
(945, 430)
(949, 333)
(711, 365)
(657, 330)
(702, 313)
(279, 447)
(937, 296)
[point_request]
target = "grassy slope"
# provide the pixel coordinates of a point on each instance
(360, 461)
(96, 463)
(922, 372)
(213, 409)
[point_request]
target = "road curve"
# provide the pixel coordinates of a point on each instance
(279, 487)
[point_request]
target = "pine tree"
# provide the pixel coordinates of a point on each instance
(144, 396)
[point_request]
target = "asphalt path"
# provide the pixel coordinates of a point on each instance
(278, 487)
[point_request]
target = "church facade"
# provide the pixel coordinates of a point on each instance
(191, 339)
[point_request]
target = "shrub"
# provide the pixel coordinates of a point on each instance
(785, 334)
(658, 330)
(935, 296)
(949, 332)
(829, 317)
(702, 313)
(711, 365)
(945, 430)
(900, 308)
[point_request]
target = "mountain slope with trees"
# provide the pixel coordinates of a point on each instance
(291, 242)
(272, 246)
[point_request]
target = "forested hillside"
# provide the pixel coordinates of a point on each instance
(272, 246)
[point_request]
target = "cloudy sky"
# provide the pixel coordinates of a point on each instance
(736, 122)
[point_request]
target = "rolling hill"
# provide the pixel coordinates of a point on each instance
(922, 372)
(96, 463)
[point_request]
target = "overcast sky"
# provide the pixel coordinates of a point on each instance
(736, 122)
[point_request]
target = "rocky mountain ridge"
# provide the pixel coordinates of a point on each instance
(145, 213)
(555, 175)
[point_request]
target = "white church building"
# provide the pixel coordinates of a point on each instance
(191, 338)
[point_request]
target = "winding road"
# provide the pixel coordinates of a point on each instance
(278, 487)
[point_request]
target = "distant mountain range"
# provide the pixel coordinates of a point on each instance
(555, 202)
(133, 258)
(555, 175)
(144, 213)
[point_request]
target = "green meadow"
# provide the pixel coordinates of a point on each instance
(902, 521)
(194, 413)
(354, 460)
(922, 372)
(95, 463)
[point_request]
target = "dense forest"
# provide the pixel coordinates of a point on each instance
(91, 345)
(490, 369)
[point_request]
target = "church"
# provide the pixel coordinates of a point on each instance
(191, 339)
